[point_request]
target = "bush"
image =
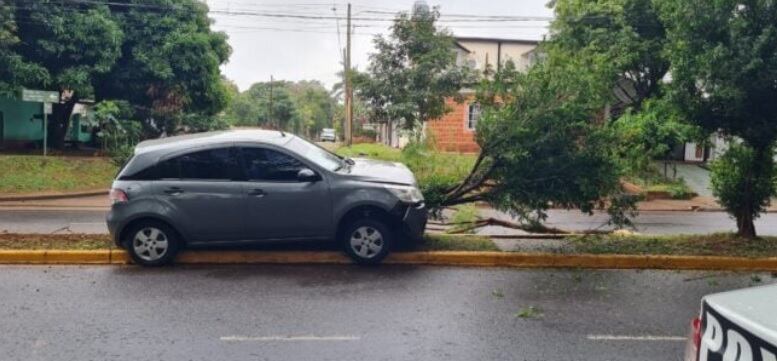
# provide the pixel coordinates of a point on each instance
(743, 182)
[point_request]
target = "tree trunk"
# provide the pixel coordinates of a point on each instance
(745, 224)
(59, 122)
(747, 211)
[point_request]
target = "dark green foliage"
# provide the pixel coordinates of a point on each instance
(412, 72)
(543, 148)
(159, 55)
(724, 68)
(743, 181)
(649, 134)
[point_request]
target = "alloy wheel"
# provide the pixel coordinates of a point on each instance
(367, 241)
(150, 244)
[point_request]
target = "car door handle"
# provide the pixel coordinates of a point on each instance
(173, 191)
(257, 192)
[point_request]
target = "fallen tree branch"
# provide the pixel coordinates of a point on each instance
(532, 228)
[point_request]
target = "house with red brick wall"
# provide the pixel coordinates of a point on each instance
(455, 131)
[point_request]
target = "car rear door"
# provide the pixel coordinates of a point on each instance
(205, 196)
(279, 206)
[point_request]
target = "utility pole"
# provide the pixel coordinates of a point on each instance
(270, 121)
(348, 85)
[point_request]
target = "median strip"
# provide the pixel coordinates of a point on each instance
(438, 258)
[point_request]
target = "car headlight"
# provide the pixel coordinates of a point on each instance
(406, 194)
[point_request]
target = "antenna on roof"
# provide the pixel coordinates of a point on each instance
(282, 133)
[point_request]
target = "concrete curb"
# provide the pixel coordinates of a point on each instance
(437, 258)
(49, 196)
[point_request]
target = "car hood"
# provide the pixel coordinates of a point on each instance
(381, 171)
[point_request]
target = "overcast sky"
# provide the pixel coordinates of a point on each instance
(298, 39)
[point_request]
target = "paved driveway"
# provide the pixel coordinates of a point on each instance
(696, 177)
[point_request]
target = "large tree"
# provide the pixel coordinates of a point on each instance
(543, 146)
(170, 61)
(724, 77)
(160, 55)
(622, 39)
(315, 106)
(265, 104)
(14, 70)
(75, 43)
(413, 70)
(542, 137)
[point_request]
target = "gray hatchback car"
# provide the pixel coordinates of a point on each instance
(239, 186)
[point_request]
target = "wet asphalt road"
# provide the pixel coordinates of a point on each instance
(345, 313)
(93, 221)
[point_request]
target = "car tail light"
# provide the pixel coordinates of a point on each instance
(117, 196)
(694, 341)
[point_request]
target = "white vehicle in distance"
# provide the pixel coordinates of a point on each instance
(328, 135)
(738, 325)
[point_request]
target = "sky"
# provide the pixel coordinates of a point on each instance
(298, 39)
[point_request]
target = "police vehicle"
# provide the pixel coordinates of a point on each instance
(738, 325)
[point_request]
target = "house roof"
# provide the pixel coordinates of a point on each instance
(493, 40)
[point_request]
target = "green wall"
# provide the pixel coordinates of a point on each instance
(16, 120)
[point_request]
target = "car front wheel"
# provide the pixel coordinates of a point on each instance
(367, 241)
(152, 243)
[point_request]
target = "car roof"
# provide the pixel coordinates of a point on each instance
(751, 308)
(214, 137)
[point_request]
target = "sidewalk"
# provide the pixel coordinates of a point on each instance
(698, 203)
(87, 202)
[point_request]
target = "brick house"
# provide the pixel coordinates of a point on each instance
(455, 131)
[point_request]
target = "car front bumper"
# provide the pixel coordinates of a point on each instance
(414, 221)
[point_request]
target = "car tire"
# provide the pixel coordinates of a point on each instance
(152, 243)
(367, 241)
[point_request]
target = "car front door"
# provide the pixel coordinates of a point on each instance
(279, 206)
(206, 198)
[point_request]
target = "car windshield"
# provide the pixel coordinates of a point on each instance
(316, 154)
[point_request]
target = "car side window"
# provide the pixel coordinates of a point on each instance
(268, 165)
(210, 164)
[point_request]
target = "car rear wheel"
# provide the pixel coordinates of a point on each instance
(152, 243)
(367, 241)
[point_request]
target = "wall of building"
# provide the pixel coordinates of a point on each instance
(482, 49)
(450, 133)
(20, 123)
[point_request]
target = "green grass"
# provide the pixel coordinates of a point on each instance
(33, 173)
(444, 242)
(423, 162)
(676, 189)
(465, 215)
(654, 181)
(371, 150)
(435, 171)
(718, 244)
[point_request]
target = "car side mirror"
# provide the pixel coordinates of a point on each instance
(307, 175)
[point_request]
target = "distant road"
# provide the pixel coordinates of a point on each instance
(649, 222)
(93, 221)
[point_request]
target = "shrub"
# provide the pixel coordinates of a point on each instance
(743, 181)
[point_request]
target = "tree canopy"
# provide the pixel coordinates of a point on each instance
(412, 71)
(724, 69)
(304, 107)
(159, 55)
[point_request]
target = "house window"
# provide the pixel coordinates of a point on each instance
(473, 116)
